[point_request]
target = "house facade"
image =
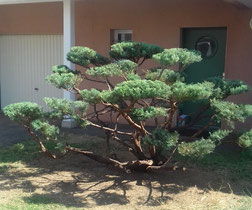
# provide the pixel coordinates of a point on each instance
(36, 34)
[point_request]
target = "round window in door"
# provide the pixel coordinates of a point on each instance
(207, 46)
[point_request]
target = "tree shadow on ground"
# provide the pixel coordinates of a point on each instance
(76, 181)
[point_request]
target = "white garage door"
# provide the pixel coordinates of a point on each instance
(25, 61)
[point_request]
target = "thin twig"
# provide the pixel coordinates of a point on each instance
(109, 129)
(168, 124)
(140, 64)
(202, 129)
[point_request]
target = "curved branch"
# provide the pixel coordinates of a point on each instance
(41, 145)
(165, 163)
(130, 148)
(98, 158)
(109, 129)
(100, 111)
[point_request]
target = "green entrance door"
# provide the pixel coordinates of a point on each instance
(211, 42)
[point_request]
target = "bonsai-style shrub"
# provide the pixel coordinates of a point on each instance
(140, 98)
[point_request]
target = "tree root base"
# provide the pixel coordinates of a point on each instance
(128, 167)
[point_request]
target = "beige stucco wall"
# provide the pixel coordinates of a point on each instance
(154, 21)
(39, 18)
